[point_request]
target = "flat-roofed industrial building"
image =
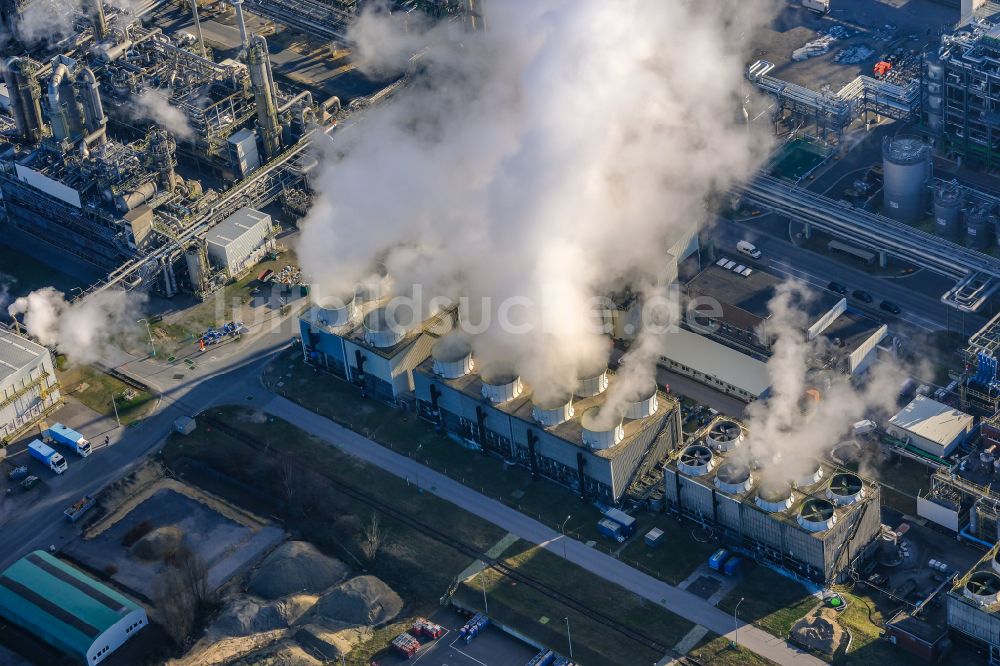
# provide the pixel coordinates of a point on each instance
(28, 385)
(931, 426)
(239, 241)
(67, 608)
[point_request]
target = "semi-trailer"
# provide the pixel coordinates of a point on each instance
(44, 453)
(64, 436)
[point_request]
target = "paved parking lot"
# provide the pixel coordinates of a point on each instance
(491, 648)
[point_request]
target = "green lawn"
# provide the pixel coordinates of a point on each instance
(542, 619)
(771, 601)
(94, 389)
(675, 558)
(336, 399)
(715, 650)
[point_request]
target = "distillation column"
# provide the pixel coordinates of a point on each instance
(98, 19)
(20, 75)
(162, 158)
(265, 94)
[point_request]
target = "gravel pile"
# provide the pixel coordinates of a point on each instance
(245, 616)
(158, 544)
(296, 567)
(819, 631)
(280, 654)
(361, 600)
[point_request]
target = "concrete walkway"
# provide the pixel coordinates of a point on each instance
(684, 604)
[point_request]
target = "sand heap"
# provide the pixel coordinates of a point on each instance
(333, 638)
(159, 543)
(245, 616)
(296, 567)
(819, 631)
(363, 600)
(279, 654)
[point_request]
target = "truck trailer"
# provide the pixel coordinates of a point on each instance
(42, 452)
(64, 436)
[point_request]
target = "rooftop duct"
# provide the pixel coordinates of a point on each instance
(501, 387)
(592, 383)
(725, 436)
(817, 515)
(642, 403)
(553, 412)
(380, 331)
(983, 588)
(846, 488)
(337, 312)
(734, 477)
(599, 432)
(774, 497)
(696, 460)
(452, 358)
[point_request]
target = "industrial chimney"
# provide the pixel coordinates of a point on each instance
(259, 64)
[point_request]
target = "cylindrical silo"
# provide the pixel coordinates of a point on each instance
(947, 209)
(906, 162)
(978, 230)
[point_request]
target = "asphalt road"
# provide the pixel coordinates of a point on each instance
(917, 294)
(678, 601)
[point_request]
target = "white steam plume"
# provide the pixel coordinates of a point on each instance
(80, 330)
(553, 157)
(785, 425)
(52, 20)
(154, 106)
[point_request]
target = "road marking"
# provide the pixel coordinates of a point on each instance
(467, 656)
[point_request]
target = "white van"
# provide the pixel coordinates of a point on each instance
(749, 249)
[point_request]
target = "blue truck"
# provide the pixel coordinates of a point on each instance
(64, 436)
(44, 453)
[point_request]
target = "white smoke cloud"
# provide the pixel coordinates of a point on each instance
(81, 330)
(52, 20)
(154, 106)
(786, 425)
(553, 157)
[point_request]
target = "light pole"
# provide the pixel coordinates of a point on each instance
(114, 403)
(149, 333)
(569, 638)
(482, 580)
(417, 468)
(736, 626)
(562, 529)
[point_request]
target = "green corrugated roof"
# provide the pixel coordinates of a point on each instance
(59, 603)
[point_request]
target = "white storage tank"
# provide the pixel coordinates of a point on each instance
(803, 472)
(947, 209)
(774, 497)
(452, 358)
(983, 588)
(592, 382)
(600, 432)
(734, 477)
(499, 387)
(725, 435)
(906, 162)
(336, 311)
(696, 460)
(845, 488)
(381, 331)
(979, 231)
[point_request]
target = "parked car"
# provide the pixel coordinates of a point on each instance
(889, 306)
(18, 473)
(30, 483)
(862, 296)
(837, 288)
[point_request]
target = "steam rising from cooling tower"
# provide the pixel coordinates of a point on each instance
(80, 330)
(532, 166)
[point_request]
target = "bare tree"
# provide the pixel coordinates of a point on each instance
(372, 538)
(193, 573)
(176, 605)
(288, 481)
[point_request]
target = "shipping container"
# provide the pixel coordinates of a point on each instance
(610, 529)
(627, 522)
(654, 537)
(732, 566)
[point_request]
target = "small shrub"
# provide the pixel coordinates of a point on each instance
(137, 532)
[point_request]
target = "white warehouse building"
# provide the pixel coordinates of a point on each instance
(239, 241)
(931, 426)
(28, 385)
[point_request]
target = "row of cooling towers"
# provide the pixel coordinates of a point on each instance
(768, 480)
(453, 359)
(959, 214)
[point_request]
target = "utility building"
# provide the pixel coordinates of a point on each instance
(800, 514)
(931, 426)
(239, 241)
(66, 608)
(974, 605)
(28, 385)
(565, 438)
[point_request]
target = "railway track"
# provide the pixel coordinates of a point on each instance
(497, 565)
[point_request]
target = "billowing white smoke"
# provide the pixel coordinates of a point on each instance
(786, 425)
(154, 106)
(80, 330)
(551, 158)
(52, 20)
